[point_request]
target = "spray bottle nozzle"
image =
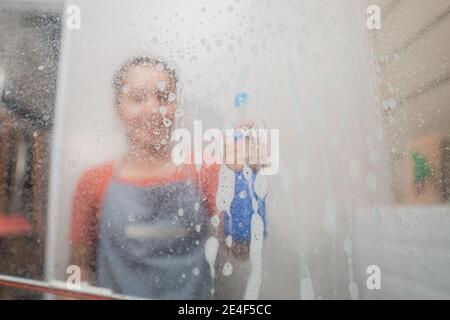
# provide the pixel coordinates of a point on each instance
(240, 99)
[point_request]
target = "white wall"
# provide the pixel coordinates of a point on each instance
(309, 74)
(410, 245)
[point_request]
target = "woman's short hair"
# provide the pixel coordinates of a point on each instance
(119, 76)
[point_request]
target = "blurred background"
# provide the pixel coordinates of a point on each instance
(363, 116)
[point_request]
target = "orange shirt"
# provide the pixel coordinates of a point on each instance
(93, 184)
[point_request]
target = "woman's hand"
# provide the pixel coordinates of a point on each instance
(248, 148)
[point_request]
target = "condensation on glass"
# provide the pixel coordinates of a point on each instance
(357, 210)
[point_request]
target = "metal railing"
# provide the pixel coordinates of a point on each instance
(60, 289)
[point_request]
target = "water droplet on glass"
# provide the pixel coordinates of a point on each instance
(196, 271)
(172, 97)
(227, 269)
(229, 241)
(215, 221)
(167, 122)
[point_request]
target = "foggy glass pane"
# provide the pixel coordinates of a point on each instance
(224, 149)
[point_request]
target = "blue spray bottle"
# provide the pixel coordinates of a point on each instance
(238, 224)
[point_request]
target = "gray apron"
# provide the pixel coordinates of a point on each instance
(151, 241)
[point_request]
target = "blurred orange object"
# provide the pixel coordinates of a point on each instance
(13, 225)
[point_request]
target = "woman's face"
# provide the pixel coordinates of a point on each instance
(147, 106)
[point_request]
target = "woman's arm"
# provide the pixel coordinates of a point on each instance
(89, 194)
(82, 257)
